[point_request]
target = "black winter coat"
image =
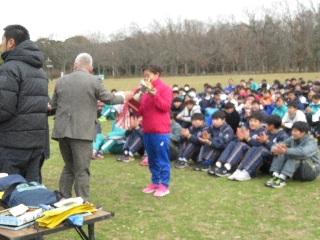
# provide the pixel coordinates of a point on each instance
(23, 98)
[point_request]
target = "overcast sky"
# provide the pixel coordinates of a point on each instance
(61, 19)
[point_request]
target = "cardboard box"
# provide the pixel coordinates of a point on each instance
(31, 215)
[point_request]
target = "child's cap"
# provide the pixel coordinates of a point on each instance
(175, 89)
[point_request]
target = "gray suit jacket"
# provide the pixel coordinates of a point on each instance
(75, 100)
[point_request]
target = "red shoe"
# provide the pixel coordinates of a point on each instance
(144, 161)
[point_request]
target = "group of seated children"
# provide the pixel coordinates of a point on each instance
(257, 146)
(247, 130)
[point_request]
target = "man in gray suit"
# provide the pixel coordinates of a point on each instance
(75, 100)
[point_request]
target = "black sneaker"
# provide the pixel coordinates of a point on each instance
(198, 166)
(212, 169)
(278, 183)
(271, 181)
(223, 172)
(181, 164)
(205, 167)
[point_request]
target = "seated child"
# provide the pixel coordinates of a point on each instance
(107, 111)
(177, 106)
(133, 141)
(190, 137)
(293, 115)
(113, 141)
(236, 149)
(281, 108)
(215, 140)
(175, 137)
(184, 117)
(232, 116)
(313, 110)
(296, 157)
(255, 108)
(260, 156)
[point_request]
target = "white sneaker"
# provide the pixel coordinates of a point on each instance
(232, 177)
(243, 176)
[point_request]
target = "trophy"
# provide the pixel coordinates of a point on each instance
(145, 86)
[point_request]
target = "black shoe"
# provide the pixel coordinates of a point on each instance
(205, 167)
(223, 172)
(198, 166)
(212, 169)
(181, 164)
(278, 183)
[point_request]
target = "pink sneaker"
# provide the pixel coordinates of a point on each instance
(151, 188)
(161, 191)
(144, 161)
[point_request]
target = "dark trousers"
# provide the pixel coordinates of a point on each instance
(187, 149)
(233, 153)
(254, 159)
(208, 153)
(25, 162)
(134, 143)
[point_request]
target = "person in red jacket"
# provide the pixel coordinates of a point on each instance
(155, 112)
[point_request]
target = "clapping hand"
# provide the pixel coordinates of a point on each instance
(262, 138)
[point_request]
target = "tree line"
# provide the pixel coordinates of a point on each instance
(269, 41)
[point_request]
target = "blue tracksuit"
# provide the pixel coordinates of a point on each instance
(256, 155)
(220, 138)
(134, 141)
(191, 145)
(157, 146)
(235, 150)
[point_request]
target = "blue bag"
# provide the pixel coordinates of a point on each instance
(22, 192)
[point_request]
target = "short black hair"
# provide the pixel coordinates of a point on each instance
(177, 99)
(219, 114)
(153, 68)
(228, 105)
(17, 32)
(197, 116)
(301, 126)
(256, 115)
(292, 104)
(216, 92)
(190, 102)
(255, 102)
(132, 114)
(274, 120)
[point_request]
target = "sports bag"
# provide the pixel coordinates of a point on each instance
(27, 193)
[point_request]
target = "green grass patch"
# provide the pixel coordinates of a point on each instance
(199, 206)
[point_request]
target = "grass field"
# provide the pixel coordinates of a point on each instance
(199, 206)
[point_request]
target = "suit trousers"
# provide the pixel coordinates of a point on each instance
(76, 155)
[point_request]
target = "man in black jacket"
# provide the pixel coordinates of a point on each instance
(23, 108)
